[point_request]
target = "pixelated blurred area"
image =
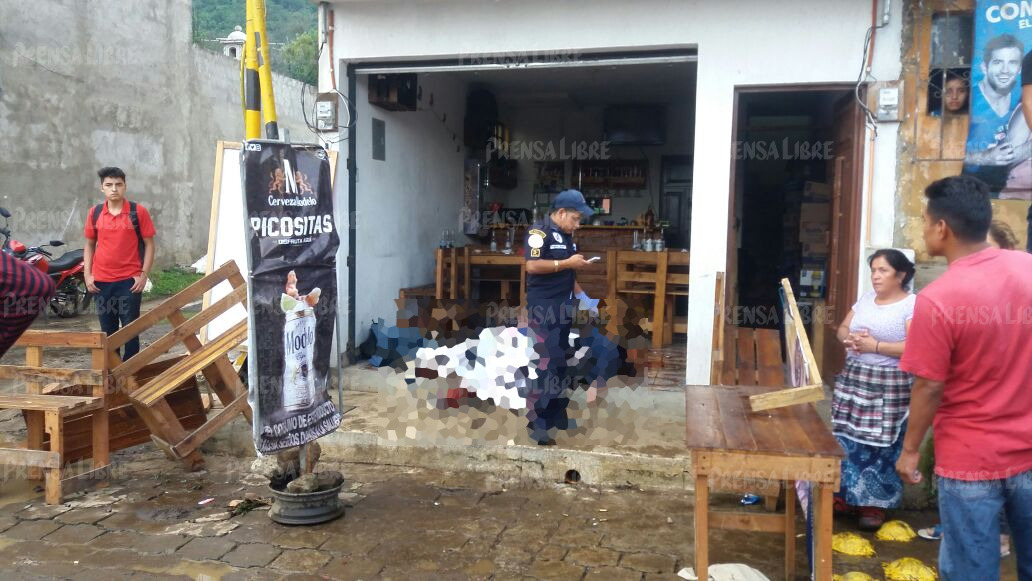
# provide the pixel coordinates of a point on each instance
(455, 371)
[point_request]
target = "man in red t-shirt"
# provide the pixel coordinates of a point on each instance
(970, 348)
(118, 255)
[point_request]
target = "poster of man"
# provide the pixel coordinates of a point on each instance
(999, 144)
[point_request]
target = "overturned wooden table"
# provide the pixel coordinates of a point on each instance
(731, 444)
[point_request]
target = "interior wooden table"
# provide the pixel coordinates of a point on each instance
(731, 444)
(488, 258)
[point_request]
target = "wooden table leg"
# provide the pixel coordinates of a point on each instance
(790, 500)
(52, 485)
(822, 527)
(702, 526)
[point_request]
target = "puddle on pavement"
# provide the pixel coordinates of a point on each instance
(15, 491)
(192, 569)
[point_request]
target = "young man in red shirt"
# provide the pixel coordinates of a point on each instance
(970, 348)
(118, 255)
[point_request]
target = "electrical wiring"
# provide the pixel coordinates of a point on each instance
(348, 109)
(865, 75)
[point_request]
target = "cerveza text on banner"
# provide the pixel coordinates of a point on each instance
(292, 244)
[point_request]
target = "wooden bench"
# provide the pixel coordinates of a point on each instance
(151, 398)
(45, 414)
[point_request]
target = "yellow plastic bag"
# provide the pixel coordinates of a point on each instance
(895, 530)
(852, 544)
(853, 576)
(908, 569)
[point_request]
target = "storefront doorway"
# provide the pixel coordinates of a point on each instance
(795, 209)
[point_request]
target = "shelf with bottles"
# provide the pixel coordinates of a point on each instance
(611, 174)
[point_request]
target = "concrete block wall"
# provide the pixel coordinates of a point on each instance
(109, 82)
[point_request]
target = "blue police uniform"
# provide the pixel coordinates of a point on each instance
(550, 307)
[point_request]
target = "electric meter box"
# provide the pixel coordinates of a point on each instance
(326, 112)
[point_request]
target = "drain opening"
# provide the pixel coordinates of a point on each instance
(572, 477)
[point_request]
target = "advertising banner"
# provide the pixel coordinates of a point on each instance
(292, 244)
(998, 150)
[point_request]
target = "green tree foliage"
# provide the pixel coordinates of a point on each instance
(286, 22)
(301, 57)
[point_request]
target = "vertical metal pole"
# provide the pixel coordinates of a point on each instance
(252, 85)
(261, 41)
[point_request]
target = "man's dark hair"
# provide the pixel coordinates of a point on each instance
(111, 172)
(898, 261)
(963, 203)
(999, 42)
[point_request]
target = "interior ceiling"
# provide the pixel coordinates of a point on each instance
(584, 86)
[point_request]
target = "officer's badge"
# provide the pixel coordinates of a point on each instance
(536, 239)
(535, 253)
(558, 237)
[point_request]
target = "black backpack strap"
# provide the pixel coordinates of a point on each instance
(96, 216)
(134, 217)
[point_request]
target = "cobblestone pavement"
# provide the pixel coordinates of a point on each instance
(401, 523)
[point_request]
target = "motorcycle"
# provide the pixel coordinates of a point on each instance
(72, 297)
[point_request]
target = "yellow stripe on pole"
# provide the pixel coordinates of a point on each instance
(265, 72)
(252, 95)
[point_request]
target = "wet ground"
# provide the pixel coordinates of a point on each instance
(401, 523)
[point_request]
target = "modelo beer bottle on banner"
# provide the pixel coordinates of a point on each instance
(298, 352)
(298, 346)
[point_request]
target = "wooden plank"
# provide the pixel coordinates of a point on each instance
(636, 257)
(822, 530)
(439, 275)
(702, 527)
(746, 356)
(679, 258)
(34, 338)
(702, 422)
(611, 274)
(171, 305)
(815, 373)
(631, 276)
(193, 441)
(768, 430)
(221, 376)
(453, 273)
(181, 331)
(734, 422)
(729, 371)
(34, 419)
(467, 273)
(678, 279)
(62, 375)
(29, 458)
(59, 404)
(786, 397)
(769, 369)
(745, 521)
(180, 372)
(771, 465)
(659, 304)
(822, 440)
(790, 500)
(52, 492)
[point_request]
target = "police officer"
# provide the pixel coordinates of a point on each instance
(552, 262)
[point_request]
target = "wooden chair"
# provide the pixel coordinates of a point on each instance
(660, 275)
(415, 292)
(452, 273)
(46, 414)
(151, 397)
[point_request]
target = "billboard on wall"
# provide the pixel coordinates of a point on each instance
(999, 148)
(292, 244)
